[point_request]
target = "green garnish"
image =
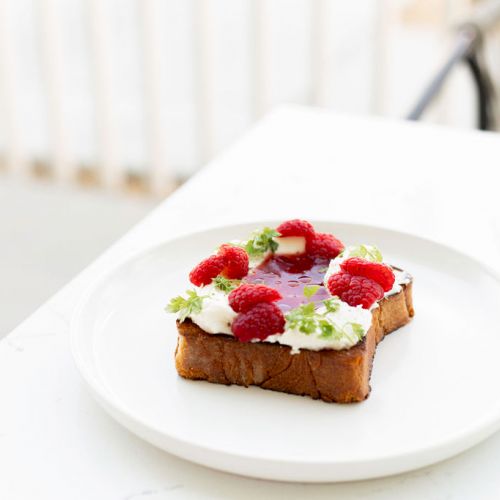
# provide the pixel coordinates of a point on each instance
(368, 252)
(357, 329)
(306, 319)
(337, 332)
(186, 306)
(332, 304)
(310, 290)
(262, 242)
(224, 284)
(302, 318)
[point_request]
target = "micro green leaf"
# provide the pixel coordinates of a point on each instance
(224, 284)
(368, 252)
(358, 330)
(310, 290)
(306, 319)
(326, 328)
(185, 307)
(262, 242)
(332, 304)
(302, 318)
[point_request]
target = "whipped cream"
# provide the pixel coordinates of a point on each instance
(401, 278)
(216, 315)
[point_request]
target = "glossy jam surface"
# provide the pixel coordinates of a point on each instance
(289, 275)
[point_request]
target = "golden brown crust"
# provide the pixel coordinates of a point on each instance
(333, 376)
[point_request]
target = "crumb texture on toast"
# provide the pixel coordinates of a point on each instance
(333, 376)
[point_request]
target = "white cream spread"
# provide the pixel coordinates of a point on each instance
(217, 316)
(401, 278)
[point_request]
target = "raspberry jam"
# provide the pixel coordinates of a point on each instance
(289, 275)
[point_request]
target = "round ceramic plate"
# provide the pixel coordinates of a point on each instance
(435, 382)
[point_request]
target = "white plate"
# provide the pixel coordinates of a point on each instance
(435, 383)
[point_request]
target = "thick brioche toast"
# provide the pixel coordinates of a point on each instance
(340, 376)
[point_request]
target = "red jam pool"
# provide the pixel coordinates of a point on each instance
(289, 275)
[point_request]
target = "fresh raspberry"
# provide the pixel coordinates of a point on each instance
(380, 273)
(324, 245)
(236, 262)
(207, 270)
(355, 290)
(259, 322)
(246, 296)
(296, 227)
(338, 283)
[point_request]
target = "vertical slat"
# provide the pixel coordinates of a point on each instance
(107, 136)
(379, 60)
(16, 159)
(161, 178)
(259, 56)
(204, 65)
(319, 52)
(62, 163)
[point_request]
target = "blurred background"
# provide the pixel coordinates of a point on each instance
(106, 106)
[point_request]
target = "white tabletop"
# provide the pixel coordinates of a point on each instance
(57, 444)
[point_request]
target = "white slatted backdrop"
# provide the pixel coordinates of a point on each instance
(121, 90)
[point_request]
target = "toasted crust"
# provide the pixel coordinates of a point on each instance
(333, 376)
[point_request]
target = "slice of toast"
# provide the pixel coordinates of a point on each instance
(334, 376)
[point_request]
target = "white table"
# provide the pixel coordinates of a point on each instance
(55, 441)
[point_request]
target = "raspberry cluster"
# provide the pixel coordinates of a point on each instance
(361, 282)
(258, 315)
(322, 245)
(296, 227)
(230, 262)
(247, 295)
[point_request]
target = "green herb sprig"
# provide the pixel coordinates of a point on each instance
(185, 307)
(310, 291)
(368, 252)
(224, 284)
(262, 242)
(306, 319)
(332, 304)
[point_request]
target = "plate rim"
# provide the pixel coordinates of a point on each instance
(440, 450)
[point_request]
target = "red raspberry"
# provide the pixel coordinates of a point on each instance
(355, 290)
(296, 227)
(259, 322)
(338, 283)
(324, 245)
(246, 296)
(207, 270)
(380, 273)
(236, 260)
